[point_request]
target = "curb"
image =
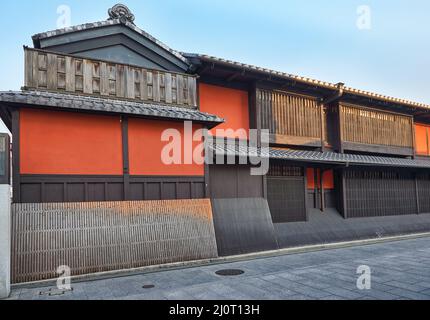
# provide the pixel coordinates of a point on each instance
(220, 260)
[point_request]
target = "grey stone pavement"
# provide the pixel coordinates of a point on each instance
(399, 270)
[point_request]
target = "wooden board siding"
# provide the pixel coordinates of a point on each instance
(376, 131)
(314, 199)
(97, 237)
(63, 188)
(66, 73)
(423, 192)
(291, 119)
(234, 181)
(243, 225)
(286, 193)
(372, 193)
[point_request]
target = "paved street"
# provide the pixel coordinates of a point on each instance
(399, 270)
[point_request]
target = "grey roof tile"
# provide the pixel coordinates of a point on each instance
(113, 22)
(319, 157)
(310, 81)
(68, 101)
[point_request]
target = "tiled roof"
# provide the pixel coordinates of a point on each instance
(113, 22)
(319, 157)
(322, 84)
(68, 101)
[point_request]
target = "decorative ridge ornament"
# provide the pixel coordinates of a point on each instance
(121, 12)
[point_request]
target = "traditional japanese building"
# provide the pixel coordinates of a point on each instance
(91, 190)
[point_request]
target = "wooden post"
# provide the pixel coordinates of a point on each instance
(258, 114)
(414, 146)
(322, 127)
(207, 180)
(417, 193)
(322, 204)
(125, 157)
(340, 127)
(305, 182)
(343, 194)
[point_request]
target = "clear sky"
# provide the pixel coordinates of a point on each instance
(383, 47)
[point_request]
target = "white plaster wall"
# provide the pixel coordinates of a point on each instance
(5, 220)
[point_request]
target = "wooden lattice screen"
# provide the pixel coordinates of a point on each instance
(292, 119)
(379, 193)
(70, 74)
(376, 127)
(101, 236)
(423, 184)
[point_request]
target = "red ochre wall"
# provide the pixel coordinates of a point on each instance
(328, 179)
(53, 142)
(422, 142)
(229, 104)
(145, 148)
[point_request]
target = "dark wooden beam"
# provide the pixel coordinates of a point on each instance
(235, 75)
(6, 116)
(323, 123)
(203, 70)
(380, 149)
(315, 187)
(232, 77)
(305, 182)
(16, 184)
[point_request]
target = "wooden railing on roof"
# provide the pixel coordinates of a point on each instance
(71, 74)
(372, 130)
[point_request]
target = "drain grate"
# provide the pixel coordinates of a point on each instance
(148, 286)
(230, 272)
(54, 292)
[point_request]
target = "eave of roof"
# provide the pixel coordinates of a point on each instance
(88, 26)
(88, 103)
(318, 157)
(305, 80)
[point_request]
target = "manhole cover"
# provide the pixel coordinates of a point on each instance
(230, 272)
(148, 286)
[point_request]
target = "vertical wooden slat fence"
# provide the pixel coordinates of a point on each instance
(379, 193)
(69, 74)
(423, 185)
(102, 236)
(375, 127)
(290, 118)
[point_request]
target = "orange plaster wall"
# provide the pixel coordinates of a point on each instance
(310, 177)
(422, 147)
(53, 142)
(145, 149)
(328, 178)
(229, 104)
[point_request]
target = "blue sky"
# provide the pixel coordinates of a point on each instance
(314, 38)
